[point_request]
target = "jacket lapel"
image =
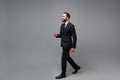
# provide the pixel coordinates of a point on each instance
(67, 27)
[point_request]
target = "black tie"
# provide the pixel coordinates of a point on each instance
(64, 26)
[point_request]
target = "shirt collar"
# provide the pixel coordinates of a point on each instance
(66, 23)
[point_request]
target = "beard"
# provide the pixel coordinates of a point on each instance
(64, 20)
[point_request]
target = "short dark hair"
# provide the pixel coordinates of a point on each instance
(68, 15)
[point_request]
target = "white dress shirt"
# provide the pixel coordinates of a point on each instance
(66, 23)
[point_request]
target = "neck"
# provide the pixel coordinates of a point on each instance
(66, 21)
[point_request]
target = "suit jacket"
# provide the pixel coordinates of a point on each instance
(68, 36)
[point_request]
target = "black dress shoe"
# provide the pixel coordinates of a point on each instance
(76, 70)
(60, 76)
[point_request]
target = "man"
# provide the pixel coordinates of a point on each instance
(68, 43)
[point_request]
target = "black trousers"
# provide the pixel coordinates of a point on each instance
(66, 57)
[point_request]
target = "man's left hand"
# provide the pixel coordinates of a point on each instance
(72, 49)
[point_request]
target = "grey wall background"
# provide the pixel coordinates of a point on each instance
(28, 48)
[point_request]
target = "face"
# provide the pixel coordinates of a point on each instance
(64, 18)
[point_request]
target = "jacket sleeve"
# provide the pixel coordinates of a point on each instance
(74, 36)
(60, 33)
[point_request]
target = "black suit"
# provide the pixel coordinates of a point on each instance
(65, 35)
(68, 41)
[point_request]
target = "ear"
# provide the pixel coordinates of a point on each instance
(67, 18)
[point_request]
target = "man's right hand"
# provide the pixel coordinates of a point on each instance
(55, 34)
